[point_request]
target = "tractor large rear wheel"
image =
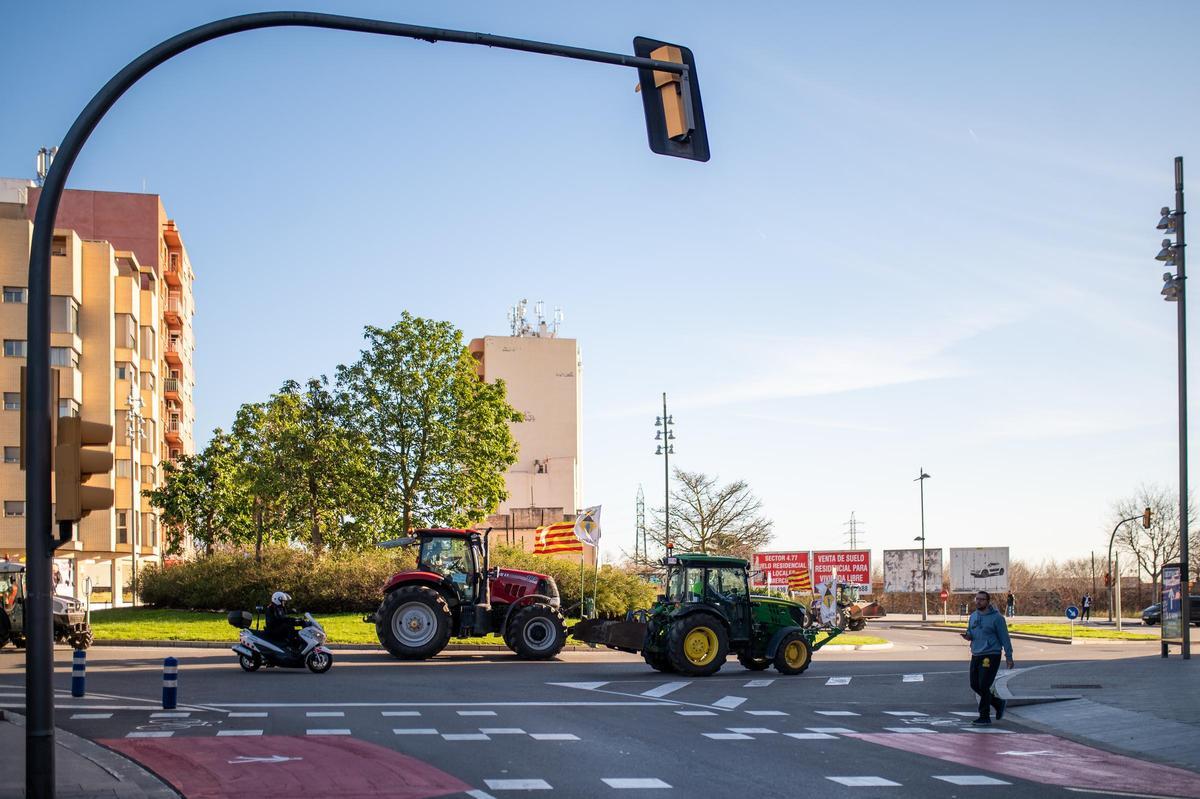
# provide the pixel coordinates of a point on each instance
(794, 654)
(536, 632)
(658, 661)
(413, 623)
(698, 645)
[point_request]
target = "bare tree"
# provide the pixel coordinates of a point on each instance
(1157, 545)
(711, 518)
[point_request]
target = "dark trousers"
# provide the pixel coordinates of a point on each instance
(983, 674)
(1087, 612)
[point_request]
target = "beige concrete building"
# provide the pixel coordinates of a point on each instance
(121, 328)
(542, 375)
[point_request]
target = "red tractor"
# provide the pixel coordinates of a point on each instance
(455, 592)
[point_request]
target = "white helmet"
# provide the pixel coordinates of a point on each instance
(279, 597)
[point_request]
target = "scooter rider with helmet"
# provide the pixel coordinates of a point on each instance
(279, 626)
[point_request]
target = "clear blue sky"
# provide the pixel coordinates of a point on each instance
(925, 237)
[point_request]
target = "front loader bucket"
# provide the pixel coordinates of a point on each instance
(624, 635)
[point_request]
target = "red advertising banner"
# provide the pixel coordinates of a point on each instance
(853, 566)
(779, 565)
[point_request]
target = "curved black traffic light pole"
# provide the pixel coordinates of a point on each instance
(39, 705)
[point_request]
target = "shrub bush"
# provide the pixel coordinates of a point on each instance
(352, 581)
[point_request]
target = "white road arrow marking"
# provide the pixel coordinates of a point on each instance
(1028, 754)
(272, 759)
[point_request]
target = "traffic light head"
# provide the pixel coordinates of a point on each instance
(1146, 518)
(674, 113)
(75, 462)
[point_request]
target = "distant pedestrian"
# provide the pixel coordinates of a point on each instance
(1087, 607)
(988, 634)
(1010, 609)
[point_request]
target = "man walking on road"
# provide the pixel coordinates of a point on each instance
(1087, 607)
(988, 634)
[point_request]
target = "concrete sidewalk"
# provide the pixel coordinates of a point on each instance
(1147, 707)
(82, 768)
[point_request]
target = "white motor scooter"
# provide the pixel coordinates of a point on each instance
(254, 650)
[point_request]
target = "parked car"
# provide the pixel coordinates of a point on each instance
(991, 570)
(1153, 614)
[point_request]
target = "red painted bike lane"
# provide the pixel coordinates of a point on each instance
(1047, 759)
(275, 765)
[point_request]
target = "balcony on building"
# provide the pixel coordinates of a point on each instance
(174, 431)
(173, 273)
(173, 350)
(173, 312)
(171, 388)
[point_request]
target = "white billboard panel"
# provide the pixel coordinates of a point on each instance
(979, 569)
(902, 570)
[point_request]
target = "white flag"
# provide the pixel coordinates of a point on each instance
(587, 526)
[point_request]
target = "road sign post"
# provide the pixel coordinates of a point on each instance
(1072, 615)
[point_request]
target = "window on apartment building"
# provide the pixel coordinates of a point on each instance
(124, 468)
(66, 357)
(12, 400)
(149, 475)
(150, 529)
(122, 527)
(12, 454)
(150, 437)
(68, 407)
(147, 381)
(147, 281)
(64, 315)
(175, 454)
(121, 429)
(58, 246)
(148, 351)
(15, 347)
(14, 507)
(175, 260)
(126, 332)
(16, 294)
(124, 370)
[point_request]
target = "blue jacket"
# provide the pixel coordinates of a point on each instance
(989, 633)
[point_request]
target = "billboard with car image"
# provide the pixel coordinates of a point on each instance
(978, 569)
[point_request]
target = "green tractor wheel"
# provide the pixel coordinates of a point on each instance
(698, 645)
(658, 661)
(793, 655)
(753, 663)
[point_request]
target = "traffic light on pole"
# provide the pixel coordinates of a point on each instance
(1146, 518)
(75, 462)
(674, 113)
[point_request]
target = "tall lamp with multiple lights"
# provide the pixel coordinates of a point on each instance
(135, 431)
(921, 538)
(666, 436)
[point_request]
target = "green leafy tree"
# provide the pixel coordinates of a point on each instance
(439, 436)
(202, 496)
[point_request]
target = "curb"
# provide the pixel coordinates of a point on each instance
(1002, 690)
(125, 772)
(160, 644)
(855, 647)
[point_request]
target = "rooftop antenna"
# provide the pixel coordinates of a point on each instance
(558, 320)
(539, 310)
(45, 159)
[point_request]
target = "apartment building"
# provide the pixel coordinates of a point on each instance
(541, 372)
(122, 342)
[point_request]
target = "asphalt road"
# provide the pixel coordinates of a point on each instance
(888, 723)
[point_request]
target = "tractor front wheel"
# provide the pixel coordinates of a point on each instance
(414, 622)
(536, 632)
(82, 640)
(794, 654)
(753, 663)
(698, 645)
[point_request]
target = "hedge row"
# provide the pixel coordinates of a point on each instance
(353, 581)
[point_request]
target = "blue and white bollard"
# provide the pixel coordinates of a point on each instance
(78, 672)
(170, 682)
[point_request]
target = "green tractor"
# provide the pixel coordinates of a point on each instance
(706, 614)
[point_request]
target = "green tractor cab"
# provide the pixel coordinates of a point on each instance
(706, 614)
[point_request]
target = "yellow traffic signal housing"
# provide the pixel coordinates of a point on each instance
(1146, 518)
(74, 464)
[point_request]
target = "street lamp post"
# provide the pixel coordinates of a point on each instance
(135, 431)
(1175, 290)
(924, 566)
(674, 127)
(666, 435)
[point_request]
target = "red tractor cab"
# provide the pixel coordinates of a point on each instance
(454, 592)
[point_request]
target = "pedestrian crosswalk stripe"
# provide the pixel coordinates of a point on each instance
(830, 730)
(518, 785)
(910, 713)
(728, 736)
(502, 730)
(476, 712)
(416, 731)
(465, 736)
(863, 782)
(180, 715)
(397, 713)
(91, 715)
(729, 702)
(228, 733)
(632, 782)
(836, 713)
(970, 779)
(340, 731)
(759, 683)
(914, 678)
(766, 713)
(964, 714)
(751, 730)
(991, 730)
(247, 715)
(665, 689)
(810, 736)
(909, 729)
(312, 714)
(151, 734)
(695, 713)
(553, 736)
(838, 681)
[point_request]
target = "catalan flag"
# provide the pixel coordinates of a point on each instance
(800, 581)
(556, 539)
